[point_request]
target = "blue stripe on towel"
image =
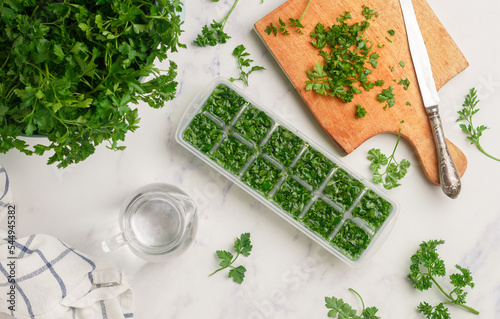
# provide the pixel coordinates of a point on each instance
(48, 265)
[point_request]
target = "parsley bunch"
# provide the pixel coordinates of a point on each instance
(425, 268)
(468, 110)
(342, 310)
(394, 171)
(69, 70)
(243, 62)
(346, 63)
(242, 246)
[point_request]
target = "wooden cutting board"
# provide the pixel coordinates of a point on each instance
(295, 55)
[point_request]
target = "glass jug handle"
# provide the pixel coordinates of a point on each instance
(114, 242)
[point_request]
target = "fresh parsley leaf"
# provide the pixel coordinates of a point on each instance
(342, 310)
(242, 246)
(387, 96)
(368, 13)
(282, 27)
(402, 64)
(240, 54)
(391, 32)
(360, 112)
(405, 83)
(237, 274)
(394, 171)
(465, 114)
(426, 266)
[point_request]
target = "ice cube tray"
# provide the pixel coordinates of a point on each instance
(293, 176)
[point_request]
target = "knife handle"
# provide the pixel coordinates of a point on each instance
(448, 175)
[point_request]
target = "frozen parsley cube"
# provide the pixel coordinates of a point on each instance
(253, 124)
(373, 209)
(224, 103)
(261, 175)
(343, 188)
(202, 133)
(313, 167)
(351, 240)
(283, 145)
(232, 154)
(322, 218)
(292, 196)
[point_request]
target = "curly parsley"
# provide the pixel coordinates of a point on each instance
(425, 268)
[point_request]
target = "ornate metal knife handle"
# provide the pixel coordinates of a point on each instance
(448, 175)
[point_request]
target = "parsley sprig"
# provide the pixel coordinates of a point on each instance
(342, 310)
(394, 171)
(425, 268)
(243, 64)
(242, 246)
(214, 34)
(465, 114)
(282, 26)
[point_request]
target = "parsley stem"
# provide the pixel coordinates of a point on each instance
(479, 147)
(362, 302)
(474, 311)
(230, 264)
(223, 22)
(304, 13)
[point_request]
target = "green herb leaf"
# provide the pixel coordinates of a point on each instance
(465, 114)
(387, 96)
(237, 274)
(360, 112)
(405, 83)
(242, 246)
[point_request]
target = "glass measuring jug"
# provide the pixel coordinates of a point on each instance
(157, 221)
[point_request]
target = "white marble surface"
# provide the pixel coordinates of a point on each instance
(288, 275)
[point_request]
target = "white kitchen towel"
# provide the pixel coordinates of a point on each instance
(51, 280)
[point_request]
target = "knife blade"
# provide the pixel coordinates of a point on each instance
(448, 175)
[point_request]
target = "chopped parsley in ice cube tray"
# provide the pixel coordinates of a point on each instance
(319, 196)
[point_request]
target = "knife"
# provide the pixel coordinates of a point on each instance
(448, 175)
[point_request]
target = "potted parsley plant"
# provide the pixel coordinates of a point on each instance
(71, 70)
